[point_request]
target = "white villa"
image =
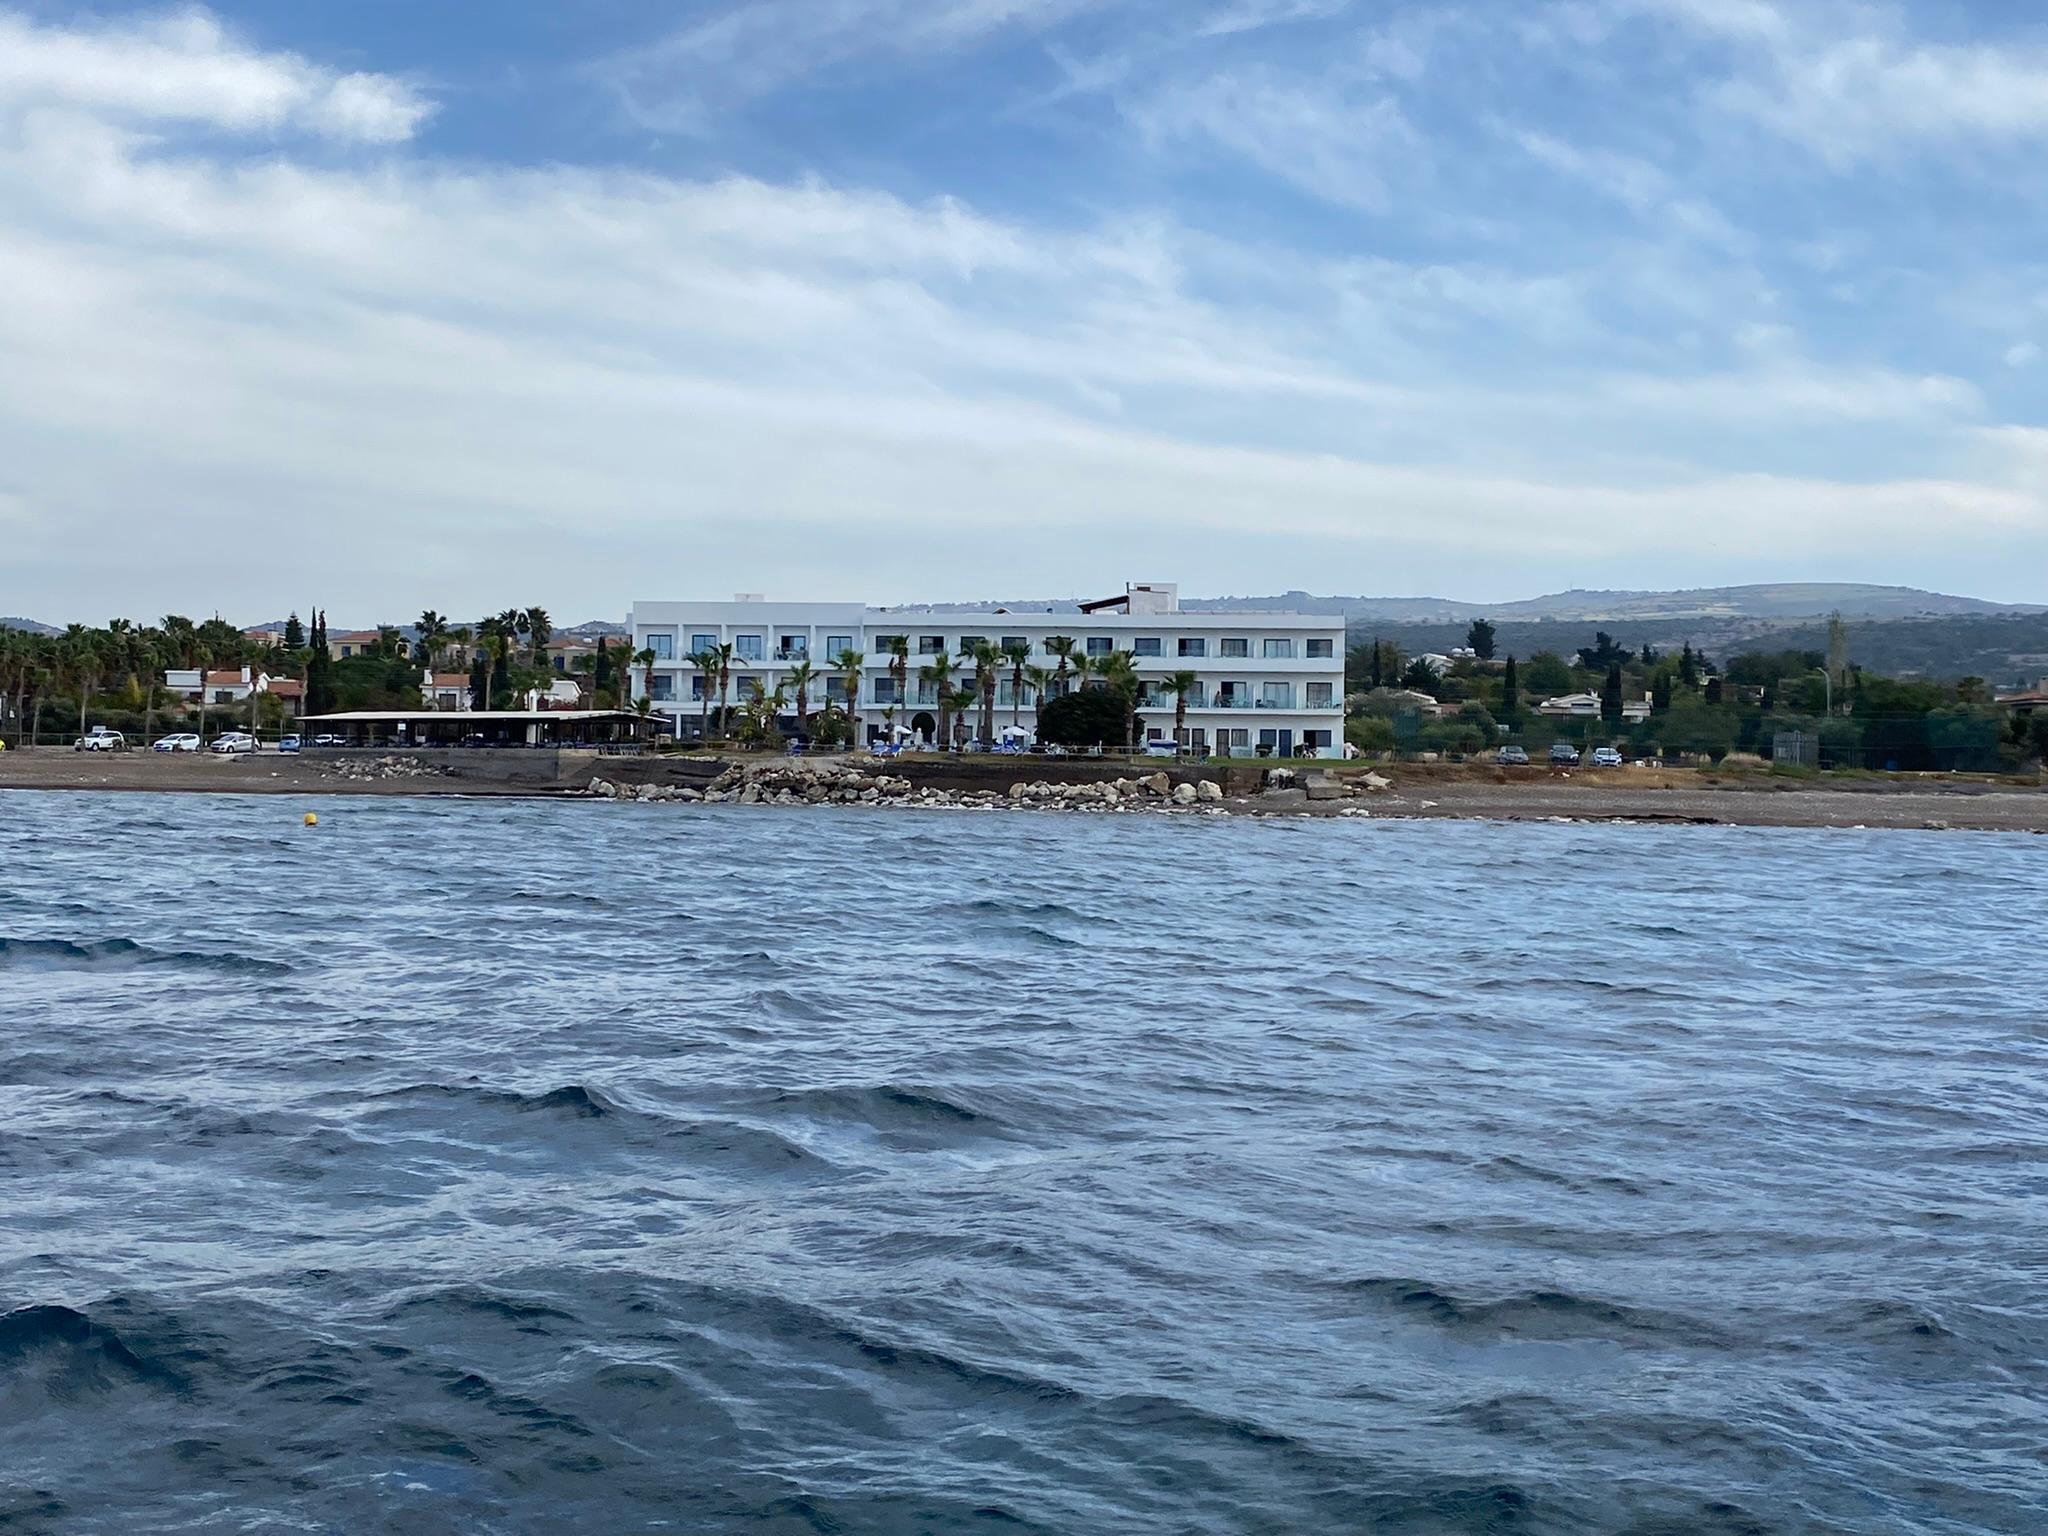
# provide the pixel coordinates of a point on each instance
(1272, 680)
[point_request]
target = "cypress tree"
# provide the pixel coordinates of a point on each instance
(319, 670)
(1511, 690)
(1378, 678)
(1610, 697)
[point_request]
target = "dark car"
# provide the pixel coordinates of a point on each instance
(1563, 752)
(1513, 757)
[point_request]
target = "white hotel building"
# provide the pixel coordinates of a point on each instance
(1267, 679)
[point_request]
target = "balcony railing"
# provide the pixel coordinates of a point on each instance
(1231, 701)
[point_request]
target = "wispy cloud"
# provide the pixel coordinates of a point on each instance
(1851, 82)
(185, 67)
(682, 80)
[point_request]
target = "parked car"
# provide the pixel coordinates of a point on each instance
(177, 741)
(325, 739)
(1162, 748)
(100, 739)
(287, 743)
(1513, 757)
(1563, 752)
(1606, 757)
(234, 741)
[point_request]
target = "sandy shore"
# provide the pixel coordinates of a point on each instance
(263, 773)
(1465, 793)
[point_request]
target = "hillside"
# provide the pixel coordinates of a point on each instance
(2006, 649)
(1778, 601)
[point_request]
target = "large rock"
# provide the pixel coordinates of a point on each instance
(1209, 790)
(1158, 783)
(1184, 794)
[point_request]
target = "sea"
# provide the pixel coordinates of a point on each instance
(503, 1166)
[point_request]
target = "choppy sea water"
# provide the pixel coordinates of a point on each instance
(521, 1167)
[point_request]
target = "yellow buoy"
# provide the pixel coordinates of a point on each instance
(312, 820)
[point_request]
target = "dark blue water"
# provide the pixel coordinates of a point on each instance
(517, 1167)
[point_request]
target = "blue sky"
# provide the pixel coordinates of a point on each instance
(388, 306)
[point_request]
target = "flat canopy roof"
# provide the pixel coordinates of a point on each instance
(461, 716)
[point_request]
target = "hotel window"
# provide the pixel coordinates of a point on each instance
(699, 686)
(1316, 741)
(1196, 647)
(1099, 645)
(664, 689)
(1319, 696)
(969, 642)
(930, 645)
(747, 647)
(835, 690)
(1276, 695)
(1234, 648)
(834, 644)
(1321, 650)
(1229, 736)
(1277, 650)
(703, 643)
(1016, 643)
(792, 647)
(663, 646)
(884, 643)
(885, 691)
(1145, 645)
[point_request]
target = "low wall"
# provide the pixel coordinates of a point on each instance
(966, 772)
(538, 767)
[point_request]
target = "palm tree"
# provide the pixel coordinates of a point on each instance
(1119, 673)
(1180, 685)
(939, 673)
(962, 700)
(725, 660)
(1061, 649)
(433, 634)
(586, 666)
(988, 661)
(801, 676)
(460, 639)
(540, 629)
(644, 659)
(899, 666)
(83, 664)
(849, 662)
(1019, 652)
(1040, 679)
(706, 663)
(496, 635)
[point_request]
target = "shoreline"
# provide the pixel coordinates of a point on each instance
(1415, 794)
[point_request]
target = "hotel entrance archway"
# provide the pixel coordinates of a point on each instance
(924, 726)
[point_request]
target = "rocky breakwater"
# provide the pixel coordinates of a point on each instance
(366, 769)
(864, 781)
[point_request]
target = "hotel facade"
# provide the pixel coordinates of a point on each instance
(1267, 680)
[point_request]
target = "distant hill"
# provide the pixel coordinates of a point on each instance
(30, 626)
(1771, 600)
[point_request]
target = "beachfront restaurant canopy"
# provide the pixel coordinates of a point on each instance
(480, 727)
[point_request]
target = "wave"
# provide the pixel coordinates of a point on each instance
(70, 1354)
(124, 955)
(885, 1108)
(1537, 1314)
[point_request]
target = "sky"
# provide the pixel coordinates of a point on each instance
(385, 306)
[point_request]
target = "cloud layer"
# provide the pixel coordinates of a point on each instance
(268, 348)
